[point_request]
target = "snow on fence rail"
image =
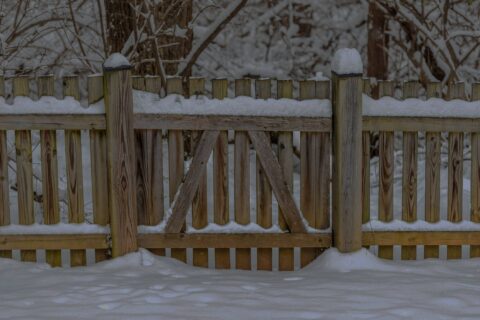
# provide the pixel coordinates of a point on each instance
(149, 172)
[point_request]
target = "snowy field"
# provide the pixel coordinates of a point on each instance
(143, 286)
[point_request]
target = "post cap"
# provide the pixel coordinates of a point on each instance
(116, 61)
(347, 62)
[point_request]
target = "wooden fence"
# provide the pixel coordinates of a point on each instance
(127, 172)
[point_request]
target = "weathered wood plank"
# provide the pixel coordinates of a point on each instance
(149, 167)
(4, 182)
(176, 154)
(186, 190)
(49, 164)
(264, 191)
(309, 173)
(53, 242)
(386, 170)
(366, 154)
(285, 158)
(73, 158)
(241, 187)
(235, 240)
(52, 121)
(455, 171)
(23, 145)
(196, 87)
(432, 172)
(347, 145)
(98, 160)
(228, 122)
(429, 124)
(475, 178)
(412, 238)
(409, 172)
(120, 160)
(221, 214)
(273, 172)
(138, 83)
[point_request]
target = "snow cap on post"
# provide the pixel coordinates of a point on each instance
(347, 61)
(116, 61)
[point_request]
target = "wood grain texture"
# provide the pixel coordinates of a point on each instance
(121, 161)
(455, 171)
(409, 172)
(428, 238)
(23, 146)
(196, 87)
(4, 188)
(52, 121)
(49, 165)
(309, 172)
(74, 166)
(212, 122)
(234, 240)
(263, 189)
(347, 177)
(285, 158)
(432, 172)
(273, 172)
(186, 190)
(176, 154)
(149, 166)
(4, 182)
(138, 83)
(366, 154)
(53, 242)
(475, 178)
(221, 213)
(241, 186)
(429, 124)
(386, 171)
(98, 161)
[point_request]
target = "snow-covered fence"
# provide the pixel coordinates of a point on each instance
(439, 161)
(253, 160)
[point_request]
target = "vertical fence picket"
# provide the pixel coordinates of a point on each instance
(433, 145)
(386, 171)
(175, 159)
(221, 213)
(149, 167)
(285, 157)
(4, 183)
(455, 171)
(73, 158)
(475, 175)
(322, 178)
(263, 90)
(196, 86)
(409, 174)
(367, 89)
(23, 144)
(98, 159)
(309, 167)
(242, 178)
(138, 83)
(48, 145)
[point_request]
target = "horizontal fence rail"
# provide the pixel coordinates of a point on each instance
(189, 171)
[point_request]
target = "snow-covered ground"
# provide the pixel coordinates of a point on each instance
(143, 286)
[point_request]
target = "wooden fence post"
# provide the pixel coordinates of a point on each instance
(347, 161)
(120, 155)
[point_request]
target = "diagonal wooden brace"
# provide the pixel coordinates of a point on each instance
(186, 191)
(275, 176)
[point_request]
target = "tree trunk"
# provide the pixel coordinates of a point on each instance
(377, 42)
